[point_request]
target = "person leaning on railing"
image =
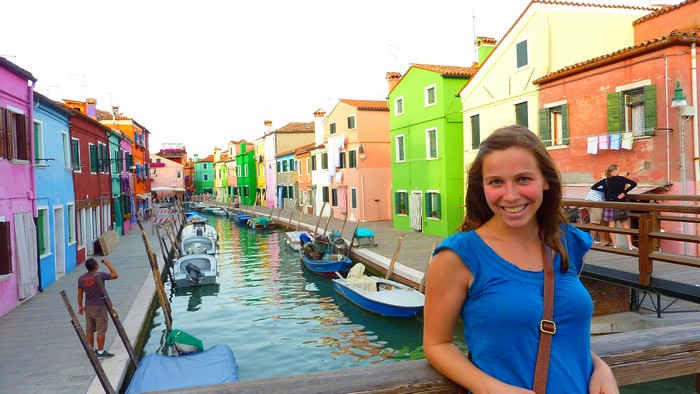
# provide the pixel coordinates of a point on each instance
(615, 187)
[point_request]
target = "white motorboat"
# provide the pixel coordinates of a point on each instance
(199, 228)
(197, 245)
(195, 270)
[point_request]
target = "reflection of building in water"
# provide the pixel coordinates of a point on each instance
(196, 295)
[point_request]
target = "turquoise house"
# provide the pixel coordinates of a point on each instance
(204, 175)
(427, 151)
(55, 198)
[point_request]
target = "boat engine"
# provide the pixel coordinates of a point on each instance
(193, 273)
(200, 231)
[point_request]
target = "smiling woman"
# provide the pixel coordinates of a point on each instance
(493, 274)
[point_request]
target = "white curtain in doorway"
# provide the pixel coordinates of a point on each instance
(415, 212)
(25, 239)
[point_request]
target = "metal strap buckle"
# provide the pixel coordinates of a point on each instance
(548, 327)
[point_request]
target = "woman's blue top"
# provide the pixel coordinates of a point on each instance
(504, 306)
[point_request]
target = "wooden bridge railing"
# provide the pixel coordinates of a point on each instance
(649, 215)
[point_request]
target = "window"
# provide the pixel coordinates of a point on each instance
(431, 144)
(279, 167)
(42, 227)
(39, 144)
(352, 159)
(308, 165)
(476, 132)
(291, 164)
(298, 166)
(353, 198)
(245, 171)
(157, 160)
(75, 149)
(205, 177)
(66, 150)
(71, 221)
(401, 202)
(521, 54)
(351, 122)
(205, 167)
(430, 96)
(285, 166)
(14, 135)
(313, 162)
(521, 114)
(400, 149)
(93, 158)
(179, 174)
(432, 204)
(554, 125)
(332, 128)
(334, 197)
(342, 160)
(324, 161)
(398, 106)
(633, 110)
(324, 193)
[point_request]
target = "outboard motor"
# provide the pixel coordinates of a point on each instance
(200, 231)
(193, 273)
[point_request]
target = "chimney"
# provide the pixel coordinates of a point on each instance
(319, 116)
(91, 105)
(484, 47)
(393, 78)
(268, 126)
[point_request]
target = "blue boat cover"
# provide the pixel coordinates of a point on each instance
(157, 372)
(364, 232)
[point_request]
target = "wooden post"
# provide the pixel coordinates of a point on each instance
(271, 212)
(352, 240)
(319, 218)
(645, 249)
(279, 214)
(396, 256)
(345, 220)
(330, 216)
(291, 214)
(168, 263)
(88, 347)
(156, 278)
(301, 215)
(421, 288)
(117, 323)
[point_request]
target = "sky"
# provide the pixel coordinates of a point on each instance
(206, 72)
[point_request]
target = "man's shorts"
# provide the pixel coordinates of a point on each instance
(596, 215)
(96, 319)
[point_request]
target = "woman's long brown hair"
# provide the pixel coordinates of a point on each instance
(550, 216)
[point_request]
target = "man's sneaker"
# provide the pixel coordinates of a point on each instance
(104, 354)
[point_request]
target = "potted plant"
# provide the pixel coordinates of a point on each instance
(433, 213)
(402, 208)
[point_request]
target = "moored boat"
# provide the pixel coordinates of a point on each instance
(323, 257)
(195, 270)
(382, 296)
(261, 223)
(293, 239)
(197, 245)
(199, 227)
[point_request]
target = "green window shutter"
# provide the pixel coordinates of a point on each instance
(545, 130)
(40, 233)
(428, 204)
(616, 112)
(565, 124)
(476, 134)
(650, 110)
(93, 158)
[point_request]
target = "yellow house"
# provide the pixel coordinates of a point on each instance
(258, 145)
(548, 36)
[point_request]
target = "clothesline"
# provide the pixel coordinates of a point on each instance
(610, 142)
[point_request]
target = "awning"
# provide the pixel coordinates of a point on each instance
(580, 192)
(143, 196)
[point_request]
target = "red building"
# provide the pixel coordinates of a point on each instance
(618, 108)
(91, 179)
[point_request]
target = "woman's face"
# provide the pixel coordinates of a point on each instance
(513, 186)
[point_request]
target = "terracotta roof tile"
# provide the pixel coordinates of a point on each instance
(453, 71)
(208, 159)
(368, 105)
(296, 127)
(106, 115)
(674, 37)
(584, 4)
(663, 10)
(16, 69)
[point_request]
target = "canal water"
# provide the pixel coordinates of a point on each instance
(281, 320)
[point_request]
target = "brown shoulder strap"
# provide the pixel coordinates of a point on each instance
(547, 325)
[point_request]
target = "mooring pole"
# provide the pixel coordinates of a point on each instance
(117, 322)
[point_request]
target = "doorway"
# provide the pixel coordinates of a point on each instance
(59, 241)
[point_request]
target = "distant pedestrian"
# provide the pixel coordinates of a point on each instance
(615, 187)
(95, 310)
(596, 216)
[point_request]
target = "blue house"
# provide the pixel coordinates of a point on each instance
(55, 199)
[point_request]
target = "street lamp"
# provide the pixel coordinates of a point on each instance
(685, 112)
(678, 98)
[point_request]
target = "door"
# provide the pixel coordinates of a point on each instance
(415, 210)
(59, 241)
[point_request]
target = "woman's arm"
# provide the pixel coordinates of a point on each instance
(632, 184)
(448, 280)
(602, 381)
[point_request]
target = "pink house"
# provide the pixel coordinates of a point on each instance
(18, 237)
(167, 174)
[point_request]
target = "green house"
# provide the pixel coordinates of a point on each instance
(246, 175)
(204, 175)
(427, 152)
